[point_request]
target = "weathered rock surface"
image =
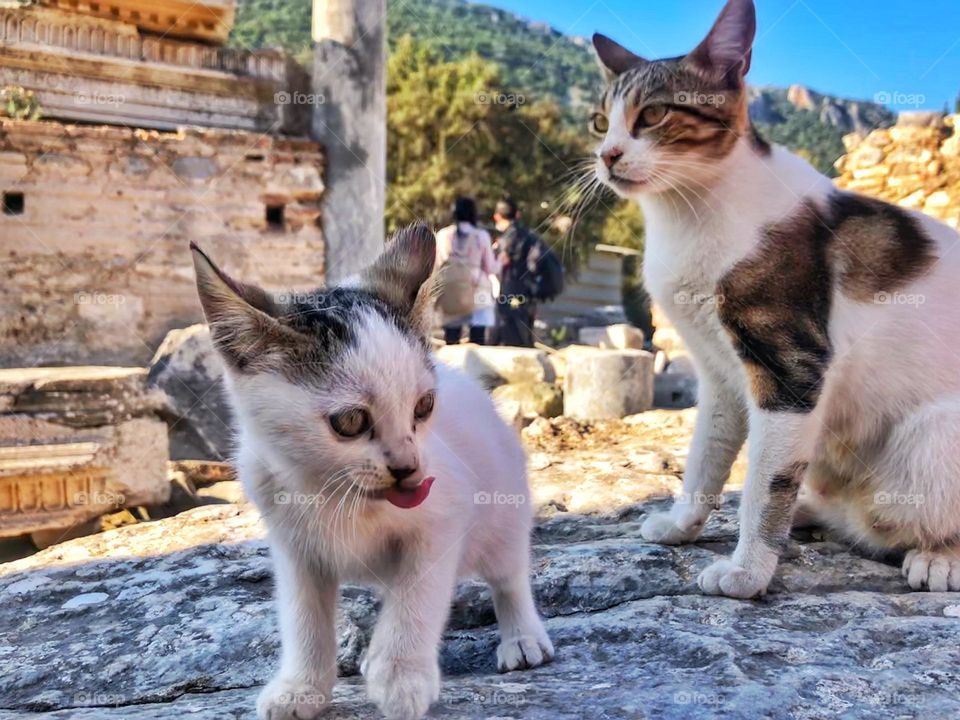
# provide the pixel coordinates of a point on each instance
(189, 371)
(76, 442)
(608, 383)
(174, 618)
(541, 399)
(493, 366)
(915, 164)
(613, 337)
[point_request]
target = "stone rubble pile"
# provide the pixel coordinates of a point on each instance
(915, 164)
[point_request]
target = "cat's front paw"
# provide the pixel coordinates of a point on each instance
(665, 529)
(933, 571)
(291, 698)
(403, 688)
(525, 651)
(724, 577)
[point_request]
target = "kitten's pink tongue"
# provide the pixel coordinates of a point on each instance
(404, 498)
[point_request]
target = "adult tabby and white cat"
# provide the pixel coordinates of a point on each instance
(823, 324)
(370, 462)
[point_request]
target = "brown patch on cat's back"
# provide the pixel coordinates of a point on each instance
(775, 303)
(877, 247)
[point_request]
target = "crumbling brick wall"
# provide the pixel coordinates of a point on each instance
(96, 222)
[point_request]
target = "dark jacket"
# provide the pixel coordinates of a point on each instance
(519, 275)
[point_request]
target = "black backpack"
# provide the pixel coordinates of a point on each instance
(549, 275)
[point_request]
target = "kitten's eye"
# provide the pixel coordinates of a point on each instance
(351, 423)
(424, 406)
(652, 115)
(599, 124)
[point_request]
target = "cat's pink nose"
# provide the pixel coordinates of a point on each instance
(611, 156)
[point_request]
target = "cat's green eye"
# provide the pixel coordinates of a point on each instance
(351, 423)
(424, 407)
(652, 115)
(599, 124)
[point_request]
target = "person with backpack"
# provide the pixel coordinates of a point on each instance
(465, 262)
(530, 273)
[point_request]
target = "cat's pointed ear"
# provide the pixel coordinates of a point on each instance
(614, 58)
(727, 49)
(241, 317)
(400, 275)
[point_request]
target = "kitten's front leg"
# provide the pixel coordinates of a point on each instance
(307, 605)
(720, 430)
(777, 464)
(401, 669)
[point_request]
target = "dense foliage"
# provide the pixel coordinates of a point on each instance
(454, 129)
(19, 104)
(535, 60)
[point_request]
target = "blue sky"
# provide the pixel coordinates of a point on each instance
(907, 49)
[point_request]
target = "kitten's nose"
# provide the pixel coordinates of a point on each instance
(402, 473)
(611, 156)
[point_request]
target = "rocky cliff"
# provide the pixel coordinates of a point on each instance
(915, 164)
(776, 105)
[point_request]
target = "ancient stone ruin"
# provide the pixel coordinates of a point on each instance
(915, 164)
(96, 217)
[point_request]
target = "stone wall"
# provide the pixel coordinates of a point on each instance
(96, 222)
(915, 164)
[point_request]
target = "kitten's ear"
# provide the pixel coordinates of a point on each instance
(727, 49)
(400, 275)
(613, 57)
(240, 316)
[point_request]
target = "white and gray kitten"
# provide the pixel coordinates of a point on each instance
(371, 462)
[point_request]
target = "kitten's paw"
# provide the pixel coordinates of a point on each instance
(403, 689)
(291, 698)
(724, 577)
(525, 651)
(933, 571)
(662, 528)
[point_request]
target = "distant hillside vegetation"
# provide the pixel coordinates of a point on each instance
(541, 63)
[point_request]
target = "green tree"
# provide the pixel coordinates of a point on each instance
(453, 129)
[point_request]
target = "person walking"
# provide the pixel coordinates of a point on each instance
(517, 249)
(466, 262)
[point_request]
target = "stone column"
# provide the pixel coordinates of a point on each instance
(350, 119)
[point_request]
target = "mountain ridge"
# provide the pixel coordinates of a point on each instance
(539, 62)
